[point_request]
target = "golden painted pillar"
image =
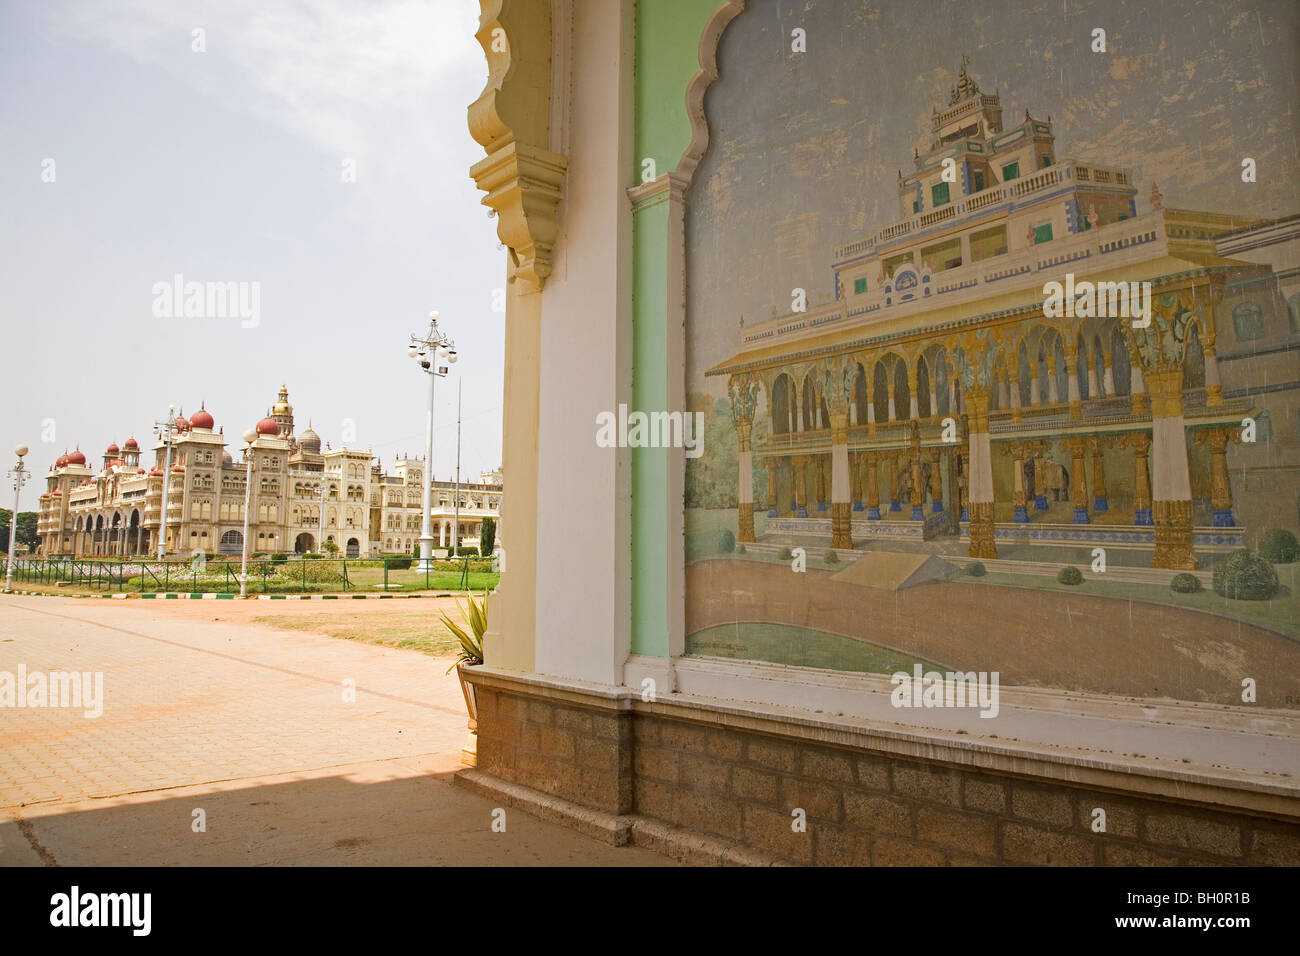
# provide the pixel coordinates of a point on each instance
(800, 463)
(1217, 439)
(1014, 395)
(841, 515)
(1097, 445)
(963, 477)
(1140, 442)
(742, 389)
(981, 476)
(1072, 379)
(936, 481)
(872, 481)
(1077, 447)
(913, 401)
(1138, 390)
(889, 387)
(1108, 375)
(770, 464)
(1090, 357)
(1171, 489)
(1017, 451)
(1040, 476)
(1053, 392)
(855, 476)
(894, 504)
(819, 483)
(918, 488)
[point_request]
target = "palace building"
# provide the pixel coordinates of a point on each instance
(115, 509)
(937, 396)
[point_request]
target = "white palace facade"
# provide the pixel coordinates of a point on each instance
(114, 509)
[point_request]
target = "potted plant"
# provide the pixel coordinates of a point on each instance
(471, 648)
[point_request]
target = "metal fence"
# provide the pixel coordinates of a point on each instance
(294, 575)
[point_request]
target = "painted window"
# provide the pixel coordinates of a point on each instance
(859, 285)
(916, 205)
(1047, 161)
(1043, 233)
(1248, 321)
(979, 182)
(938, 194)
(1010, 171)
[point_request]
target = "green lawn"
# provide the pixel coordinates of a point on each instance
(421, 631)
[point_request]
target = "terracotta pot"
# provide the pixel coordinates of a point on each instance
(471, 701)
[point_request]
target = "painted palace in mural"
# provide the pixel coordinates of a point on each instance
(937, 397)
(115, 509)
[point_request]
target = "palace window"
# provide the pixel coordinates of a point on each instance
(1043, 233)
(979, 182)
(1248, 321)
(916, 205)
(1047, 161)
(1010, 171)
(938, 195)
(859, 285)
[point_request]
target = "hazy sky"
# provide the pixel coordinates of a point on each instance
(227, 166)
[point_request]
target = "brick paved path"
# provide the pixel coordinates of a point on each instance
(224, 707)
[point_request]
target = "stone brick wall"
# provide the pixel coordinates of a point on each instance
(862, 808)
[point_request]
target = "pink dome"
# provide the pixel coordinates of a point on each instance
(60, 461)
(131, 445)
(268, 426)
(181, 425)
(201, 419)
(112, 450)
(76, 458)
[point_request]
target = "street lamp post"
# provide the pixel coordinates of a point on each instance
(250, 436)
(164, 431)
(20, 473)
(427, 351)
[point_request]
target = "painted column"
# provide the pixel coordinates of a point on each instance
(1072, 380)
(963, 478)
(936, 481)
(873, 487)
(800, 485)
(913, 404)
(1213, 389)
(1040, 478)
(892, 459)
(1016, 451)
(1004, 390)
(981, 476)
(889, 385)
(1217, 439)
(1034, 398)
(1015, 398)
(841, 530)
(1140, 442)
(1053, 393)
(1171, 489)
(770, 464)
(1096, 447)
(1138, 389)
(934, 400)
(819, 463)
(952, 393)
(855, 476)
(918, 489)
(871, 417)
(1108, 376)
(1077, 447)
(1091, 358)
(745, 485)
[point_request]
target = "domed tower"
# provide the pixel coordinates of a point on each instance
(309, 441)
(131, 453)
(282, 412)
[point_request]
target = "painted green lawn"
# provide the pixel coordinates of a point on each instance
(421, 630)
(800, 647)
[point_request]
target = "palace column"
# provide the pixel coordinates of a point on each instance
(1140, 442)
(934, 400)
(1014, 381)
(855, 477)
(1213, 389)
(872, 481)
(1138, 389)
(1017, 451)
(1171, 485)
(841, 530)
(952, 393)
(981, 476)
(1217, 439)
(889, 386)
(800, 463)
(936, 481)
(1108, 375)
(820, 470)
(1053, 393)
(1072, 379)
(1077, 447)
(913, 403)
(963, 479)
(770, 463)
(1096, 447)
(1004, 391)
(1034, 399)
(1090, 357)
(871, 416)
(918, 490)
(1040, 476)
(892, 458)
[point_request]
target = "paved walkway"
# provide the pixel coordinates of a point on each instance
(258, 728)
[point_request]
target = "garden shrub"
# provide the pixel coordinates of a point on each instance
(740, 548)
(786, 554)
(398, 564)
(1185, 584)
(1244, 576)
(1279, 546)
(832, 558)
(726, 542)
(976, 569)
(1070, 575)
